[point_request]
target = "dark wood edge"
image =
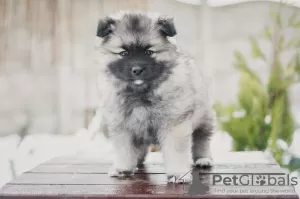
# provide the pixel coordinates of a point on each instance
(64, 196)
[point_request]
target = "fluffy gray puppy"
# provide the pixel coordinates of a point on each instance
(150, 92)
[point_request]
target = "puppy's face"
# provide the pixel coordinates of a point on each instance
(137, 49)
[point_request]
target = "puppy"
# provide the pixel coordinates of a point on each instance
(151, 93)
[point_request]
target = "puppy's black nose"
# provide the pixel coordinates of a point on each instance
(137, 71)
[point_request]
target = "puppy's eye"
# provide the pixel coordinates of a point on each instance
(123, 53)
(148, 52)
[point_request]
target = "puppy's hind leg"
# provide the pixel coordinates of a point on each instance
(142, 155)
(201, 145)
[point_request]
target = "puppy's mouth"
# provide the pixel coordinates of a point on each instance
(139, 86)
(138, 82)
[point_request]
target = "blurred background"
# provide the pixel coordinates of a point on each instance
(250, 49)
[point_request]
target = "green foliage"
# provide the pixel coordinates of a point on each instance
(261, 115)
(266, 33)
(294, 163)
(256, 51)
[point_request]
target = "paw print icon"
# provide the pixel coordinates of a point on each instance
(261, 180)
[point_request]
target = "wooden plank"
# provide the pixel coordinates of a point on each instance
(103, 178)
(93, 189)
(64, 64)
(100, 169)
(3, 32)
(94, 13)
(17, 55)
(122, 191)
(87, 179)
(156, 158)
(150, 169)
(140, 5)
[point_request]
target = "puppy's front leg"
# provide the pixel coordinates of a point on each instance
(126, 156)
(176, 146)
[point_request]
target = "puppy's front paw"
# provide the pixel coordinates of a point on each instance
(114, 172)
(204, 162)
(180, 178)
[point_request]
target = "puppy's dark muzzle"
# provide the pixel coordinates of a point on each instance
(137, 71)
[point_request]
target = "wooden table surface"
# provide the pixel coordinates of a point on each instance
(86, 177)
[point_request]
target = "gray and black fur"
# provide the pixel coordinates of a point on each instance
(150, 92)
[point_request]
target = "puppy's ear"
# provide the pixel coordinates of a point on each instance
(105, 27)
(166, 26)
